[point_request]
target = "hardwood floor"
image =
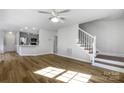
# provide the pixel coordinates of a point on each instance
(23, 69)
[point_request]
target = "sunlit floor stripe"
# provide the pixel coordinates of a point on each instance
(63, 75)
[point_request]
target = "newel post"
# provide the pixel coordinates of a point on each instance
(94, 50)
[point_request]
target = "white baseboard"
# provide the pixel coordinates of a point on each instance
(109, 67)
(35, 54)
(87, 61)
(83, 60)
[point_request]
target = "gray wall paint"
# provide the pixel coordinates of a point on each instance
(109, 34)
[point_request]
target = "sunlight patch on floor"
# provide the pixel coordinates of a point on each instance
(49, 72)
(63, 75)
(74, 77)
(81, 78)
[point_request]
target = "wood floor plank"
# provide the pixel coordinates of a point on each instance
(21, 69)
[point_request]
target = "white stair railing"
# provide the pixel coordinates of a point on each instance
(87, 41)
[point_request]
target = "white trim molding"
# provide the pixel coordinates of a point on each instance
(38, 54)
(83, 60)
(110, 61)
(109, 67)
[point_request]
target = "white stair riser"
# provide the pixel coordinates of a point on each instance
(109, 67)
(110, 61)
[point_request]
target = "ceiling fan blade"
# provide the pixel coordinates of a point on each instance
(44, 12)
(53, 12)
(62, 19)
(64, 11)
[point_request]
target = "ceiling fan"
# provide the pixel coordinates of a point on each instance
(55, 15)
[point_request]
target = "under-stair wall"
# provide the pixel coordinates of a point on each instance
(67, 44)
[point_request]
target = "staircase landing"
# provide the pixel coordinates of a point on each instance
(110, 62)
(115, 58)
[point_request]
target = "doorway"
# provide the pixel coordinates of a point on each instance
(9, 41)
(55, 48)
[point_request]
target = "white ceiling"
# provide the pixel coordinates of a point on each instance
(14, 19)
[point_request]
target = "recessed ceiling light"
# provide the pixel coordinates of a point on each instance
(21, 29)
(34, 28)
(10, 32)
(26, 27)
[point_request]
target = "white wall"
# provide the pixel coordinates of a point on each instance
(1, 42)
(109, 35)
(45, 44)
(67, 39)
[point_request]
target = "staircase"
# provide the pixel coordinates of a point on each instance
(88, 43)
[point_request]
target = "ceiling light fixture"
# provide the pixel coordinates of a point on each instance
(10, 32)
(54, 19)
(26, 27)
(21, 29)
(34, 28)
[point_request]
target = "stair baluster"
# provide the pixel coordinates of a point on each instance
(87, 41)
